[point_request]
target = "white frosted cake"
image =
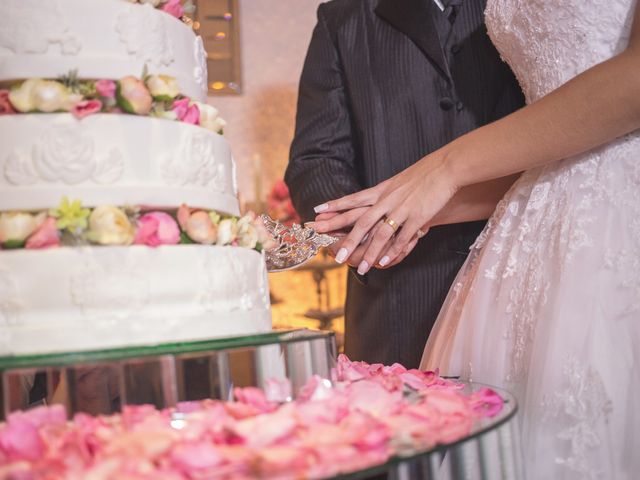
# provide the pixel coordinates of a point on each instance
(118, 201)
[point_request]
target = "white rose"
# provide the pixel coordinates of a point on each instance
(17, 226)
(22, 97)
(247, 233)
(50, 96)
(227, 232)
(163, 87)
(110, 226)
(210, 118)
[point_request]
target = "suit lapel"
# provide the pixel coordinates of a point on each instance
(414, 18)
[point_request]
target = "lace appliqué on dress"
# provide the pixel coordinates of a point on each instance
(577, 411)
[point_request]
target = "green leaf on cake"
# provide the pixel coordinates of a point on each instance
(185, 239)
(13, 244)
(123, 103)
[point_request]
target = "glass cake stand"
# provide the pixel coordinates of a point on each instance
(101, 381)
(492, 451)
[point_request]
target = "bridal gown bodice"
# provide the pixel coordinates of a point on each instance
(547, 304)
(548, 42)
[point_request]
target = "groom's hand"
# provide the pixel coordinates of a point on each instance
(358, 253)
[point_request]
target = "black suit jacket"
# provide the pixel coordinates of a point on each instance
(384, 83)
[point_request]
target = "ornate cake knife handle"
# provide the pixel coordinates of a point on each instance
(295, 245)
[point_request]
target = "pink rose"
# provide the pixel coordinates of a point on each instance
(85, 108)
(5, 105)
(173, 7)
(197, 225)
(46, 236)
(106, 88)
(185, 112)
(133, 96)
(157, 228)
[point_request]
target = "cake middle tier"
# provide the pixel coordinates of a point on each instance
(111, 159)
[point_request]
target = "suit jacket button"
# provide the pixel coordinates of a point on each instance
(459, 106)
(455, 48)
(446, 103)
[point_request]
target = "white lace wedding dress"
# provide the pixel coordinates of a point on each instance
(548, 303)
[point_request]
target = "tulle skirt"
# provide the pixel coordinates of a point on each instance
(548, 306)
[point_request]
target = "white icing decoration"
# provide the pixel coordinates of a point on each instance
(200, 70)
(64, 154)
(109, 287)
(109, 168)
(144, 35)
(234, 177)
(217, 293)
(19, 170)
(10, 304)
(194, 163)
(28, 33)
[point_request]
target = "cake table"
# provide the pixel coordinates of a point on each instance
(168, 377)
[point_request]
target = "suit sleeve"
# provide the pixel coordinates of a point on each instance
(322, 159)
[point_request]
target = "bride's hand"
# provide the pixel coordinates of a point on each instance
(410, 199)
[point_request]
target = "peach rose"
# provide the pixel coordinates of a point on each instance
(46, 236)
(133, 96)
(197, 225)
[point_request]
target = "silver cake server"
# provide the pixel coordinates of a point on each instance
(295, 245)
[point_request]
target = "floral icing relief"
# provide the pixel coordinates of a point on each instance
(200, 70)
(9, 300)
(28, 33)
(109, 287)
(143, 32)
(218, 292)
(194, 163)
(63, 154)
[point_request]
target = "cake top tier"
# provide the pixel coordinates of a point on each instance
(100, 39)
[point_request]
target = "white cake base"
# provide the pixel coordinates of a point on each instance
(70, 299)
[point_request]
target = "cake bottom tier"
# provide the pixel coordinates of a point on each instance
(71, 299)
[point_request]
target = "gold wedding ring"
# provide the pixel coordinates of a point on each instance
(420, 233)
(392, 224)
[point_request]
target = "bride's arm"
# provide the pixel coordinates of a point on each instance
(593, 108)
(473, 202)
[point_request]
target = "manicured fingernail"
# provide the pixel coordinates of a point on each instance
(363, 267)
(342, 255)
(321, 208)
(384, 261)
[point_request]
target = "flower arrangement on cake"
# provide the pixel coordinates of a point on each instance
(368, 414)
(176, 8)
(71, 224)
(152, 95)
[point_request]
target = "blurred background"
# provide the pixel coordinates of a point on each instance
(256, 50)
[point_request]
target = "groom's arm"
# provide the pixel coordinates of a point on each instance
(322, 158)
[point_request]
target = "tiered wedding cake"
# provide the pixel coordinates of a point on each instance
(102, 164)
